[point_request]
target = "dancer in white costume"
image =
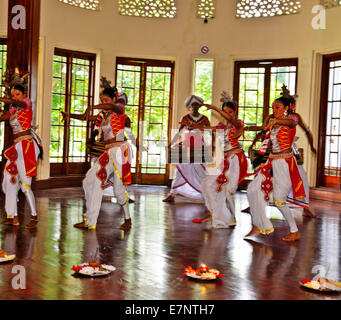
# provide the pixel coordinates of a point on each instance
(122, 101)
(115, 160)
(97, 149)
(279, 175)
(22, 157)
(260, 156)
(218, 189)
(188, 176)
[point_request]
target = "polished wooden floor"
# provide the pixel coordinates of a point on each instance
(150, 258)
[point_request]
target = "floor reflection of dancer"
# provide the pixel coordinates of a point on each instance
(91, 247)
(218, 190)
(10, 241)
(279, 175)
(188, 176)
(264, 151)
(115, 160)
(22, 157)
(19, 242)
(258, 269)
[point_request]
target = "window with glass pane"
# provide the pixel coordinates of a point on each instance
(332, 165)
(329, 147)
(203, 82)
(3, 66)
(128, 81)
(257, 85)
(279, 76)
(148, 85)
(58, 104)
(251, 101)
(156, 119)
(72, 92)
(79, 103)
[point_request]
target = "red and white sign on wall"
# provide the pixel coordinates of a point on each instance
(204, 49)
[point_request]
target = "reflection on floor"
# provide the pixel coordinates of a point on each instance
(150, 258)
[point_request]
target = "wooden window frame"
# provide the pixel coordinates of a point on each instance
(7, 136)
(139, 177)
(257, 64)
(65, 167)
(264, 63)
(320, 180)
(3, 41)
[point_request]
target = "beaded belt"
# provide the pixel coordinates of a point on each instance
(114, 144)
(231, 152)
(281, 155)
(22, 138)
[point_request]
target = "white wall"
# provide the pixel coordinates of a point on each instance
(109, 35)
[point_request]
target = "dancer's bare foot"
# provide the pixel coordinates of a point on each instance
(170, 198)
(8, 222)
(247, 210)
(126, 225)
(33, 223)
(81, 225)
(293, 236)
(207, 219)
(253, 232)
(12, 222)
(308, 214)
(16, 222)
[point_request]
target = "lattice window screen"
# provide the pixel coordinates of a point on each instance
(147, 8)
(266, 8)
(330, 3)
(86, 4)
(206, 8)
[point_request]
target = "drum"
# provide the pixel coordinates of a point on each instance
(300, 156)
(95, 149)
(254, 156)
(257, 159)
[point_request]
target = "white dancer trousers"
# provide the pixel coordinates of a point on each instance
(305, 201)
(221, 204)
(94, 192)
(187, 180)
(22, 182)
(281, 189)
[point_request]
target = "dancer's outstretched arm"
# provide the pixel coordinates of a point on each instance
(16, 103)
(82, 117)
(237, 123)
(109, 107)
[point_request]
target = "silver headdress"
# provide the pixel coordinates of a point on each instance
(105, 83)
(286, 93)
(225, 98)
(13, 78)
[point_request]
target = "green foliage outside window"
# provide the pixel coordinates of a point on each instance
(203, 83)
(79, 103)
(251, 95)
